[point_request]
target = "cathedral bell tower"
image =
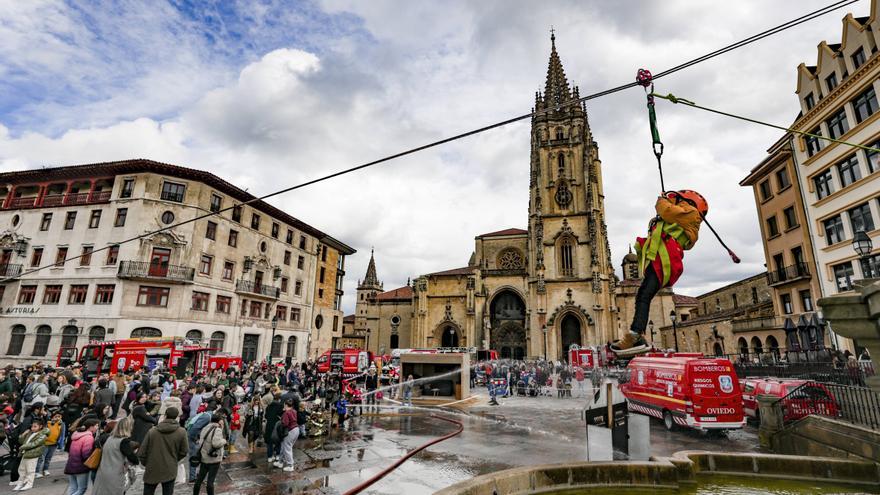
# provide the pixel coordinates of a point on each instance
(569, 258)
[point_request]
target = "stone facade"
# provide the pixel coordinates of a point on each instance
(219, 279)
(328, 298)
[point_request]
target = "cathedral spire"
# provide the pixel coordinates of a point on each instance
(556, 90)
(371, 280)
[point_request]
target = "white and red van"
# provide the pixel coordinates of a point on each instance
(685, 389)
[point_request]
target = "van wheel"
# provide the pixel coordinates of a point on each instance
(668, 422)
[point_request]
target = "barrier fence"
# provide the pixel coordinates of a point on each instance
(856, 405)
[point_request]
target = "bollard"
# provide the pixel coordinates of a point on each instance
(770, 414)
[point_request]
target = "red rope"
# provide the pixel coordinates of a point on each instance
(409, 454)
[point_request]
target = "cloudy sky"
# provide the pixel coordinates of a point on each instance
(268, 94)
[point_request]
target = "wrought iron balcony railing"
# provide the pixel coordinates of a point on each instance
(787, 274)
(155, 271)
(10, 270)
(250, 287)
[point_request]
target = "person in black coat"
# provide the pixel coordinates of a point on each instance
(143, 421)
(272, 415)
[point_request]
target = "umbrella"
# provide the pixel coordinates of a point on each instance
(791, 338)
(819, 325)
(803, 327)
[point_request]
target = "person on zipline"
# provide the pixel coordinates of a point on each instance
(674, 230)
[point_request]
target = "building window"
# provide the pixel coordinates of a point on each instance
(244, 308)
(236, 213)
(782, 178)
(46, 222)
(566, 257)
(810, 101)
(302, 242)
(52, 294)
(297, 288)
(765, 190)
(843, 274)
(233, 238)
(95, 219)
(224, 303)
(142, 332)
(194, 335)
(287, 257)
(121, 214)
(255, 221)
(275, 230)
(216, 203)
(86, 258)
(860, 218)
(833, 230)
(320, 293)
(218, 341)
(127, 188)
(173, 192)
(849, 172)
(858, 58)
(211, 231)
(772, 227)
(837, 124)
(153, 296)
(77, 294)
(295, 314)
(44, 337)
(256, 309)
(797, 253)
(276, 346)
(16, 341)
(167, 217)
(60, 256)
(104, 293)
(281, 312)
(824, 184)
(200, 301)
(735, 302)
(289, 239)
(70, 220)
(284, 283)
(870, 266)
(112, 255)
(228, 270)
(806, 300)
(27, 294)
(37, 257)
(321, 275)
(291, 346)
(301, 262)
(813, 143)
(865, 105)
(786, 304)
(205, 264)
(831, 82)
(323, 253)
(791, 220)
(873, 158)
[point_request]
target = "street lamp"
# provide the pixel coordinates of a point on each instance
(863, 246)
(672, 316)
(651, 328)
(272, 342)
(544, 329)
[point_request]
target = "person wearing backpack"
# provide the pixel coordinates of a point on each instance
(81, 445)
(194, 427)
(210, 447)
(32, 444)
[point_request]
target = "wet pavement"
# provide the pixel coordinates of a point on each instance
(519, 432)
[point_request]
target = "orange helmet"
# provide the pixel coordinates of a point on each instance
(696, 199)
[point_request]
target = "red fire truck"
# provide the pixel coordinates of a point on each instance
(685, 389)
(349, 362)
(119, 356)
(223, 361)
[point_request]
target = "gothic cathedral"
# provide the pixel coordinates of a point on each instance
(525, 293)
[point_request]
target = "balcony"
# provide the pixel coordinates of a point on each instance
(792, 273)
(251, 288)
(49, 200)
(159, 272)
(9, 270)
(755, 324)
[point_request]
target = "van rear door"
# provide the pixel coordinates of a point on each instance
(716, 394)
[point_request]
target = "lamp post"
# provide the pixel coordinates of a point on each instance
(272, 342)
(673, 316)
(651, 328)
(544, 330)
(863, 246)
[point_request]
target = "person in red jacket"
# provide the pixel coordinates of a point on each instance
(290, 430)
(234, 428)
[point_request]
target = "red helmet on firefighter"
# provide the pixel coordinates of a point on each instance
(694, 198)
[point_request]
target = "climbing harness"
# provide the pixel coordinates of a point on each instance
(646, 80)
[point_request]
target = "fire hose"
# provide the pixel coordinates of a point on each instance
(384, 472)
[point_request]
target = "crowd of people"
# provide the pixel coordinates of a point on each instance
(159, 427)
(532, 378)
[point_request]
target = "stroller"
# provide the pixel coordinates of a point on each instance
(521, 388)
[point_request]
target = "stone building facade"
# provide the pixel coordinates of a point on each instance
(528, 292)
(219, 280)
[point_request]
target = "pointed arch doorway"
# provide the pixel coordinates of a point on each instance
(449, 337)
(570, 333)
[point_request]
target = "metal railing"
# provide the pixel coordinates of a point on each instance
(854, 373)
(261, 289)
(10, 270)
(155, 271)
(760, 323)
(177, 197)
(788, 274)
(82, 198)
(856, 405)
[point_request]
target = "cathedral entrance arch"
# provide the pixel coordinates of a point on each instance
(449, 336)
(508, 315)
(570, 333)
